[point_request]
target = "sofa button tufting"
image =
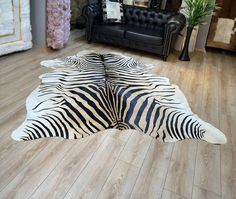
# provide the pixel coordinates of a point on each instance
(143, 29)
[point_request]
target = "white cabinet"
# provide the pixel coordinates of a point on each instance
(15, 29)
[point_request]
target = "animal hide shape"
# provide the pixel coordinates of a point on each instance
(85, 94)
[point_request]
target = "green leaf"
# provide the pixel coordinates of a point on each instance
(196, 11)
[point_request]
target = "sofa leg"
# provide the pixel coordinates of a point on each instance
(88, 38)
(164, 57)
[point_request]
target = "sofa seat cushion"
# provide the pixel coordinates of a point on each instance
(113, 30)
(145, 35)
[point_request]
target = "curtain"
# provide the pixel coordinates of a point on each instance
(58, 23)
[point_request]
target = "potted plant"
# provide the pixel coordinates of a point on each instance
(195, 12)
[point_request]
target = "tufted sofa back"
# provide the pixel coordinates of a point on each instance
(151, 19)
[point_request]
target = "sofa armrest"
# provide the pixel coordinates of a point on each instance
(174, 25)
(92, 14)
(92, 10)
(176, 22)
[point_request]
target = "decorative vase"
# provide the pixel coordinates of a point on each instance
(184, 55)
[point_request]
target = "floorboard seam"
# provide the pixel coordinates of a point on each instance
(114, 164)
(85, 166)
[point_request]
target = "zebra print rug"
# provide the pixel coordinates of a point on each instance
(85, 94)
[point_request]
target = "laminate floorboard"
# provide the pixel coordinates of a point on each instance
(127, 164)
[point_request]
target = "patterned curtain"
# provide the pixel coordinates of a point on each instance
(58, 24)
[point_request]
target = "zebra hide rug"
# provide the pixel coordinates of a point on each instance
(88, 93)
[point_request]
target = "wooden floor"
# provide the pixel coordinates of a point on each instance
(121, 164)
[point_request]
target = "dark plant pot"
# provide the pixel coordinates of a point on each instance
(184, 55)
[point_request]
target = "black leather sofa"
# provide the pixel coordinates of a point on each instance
(145, 29)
